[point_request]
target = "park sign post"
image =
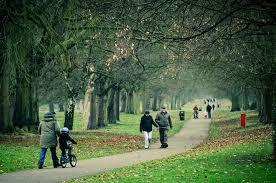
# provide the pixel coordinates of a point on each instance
(243, 117)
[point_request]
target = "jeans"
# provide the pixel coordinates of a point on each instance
(43, 155)
(209, 114)
(63, 152)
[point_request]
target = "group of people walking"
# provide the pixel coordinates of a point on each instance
(208, 111)
(162, 121)
(49, 132)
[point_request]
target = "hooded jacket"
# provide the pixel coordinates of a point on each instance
(48, 130)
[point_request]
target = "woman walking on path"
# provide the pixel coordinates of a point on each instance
(48, 130)
(163, 119)
(146, 126)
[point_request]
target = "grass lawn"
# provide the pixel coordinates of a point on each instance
(232, 154)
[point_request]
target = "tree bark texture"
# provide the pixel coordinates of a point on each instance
(117, 104)
(69, 113)
(111, 113)
(51, 105)
(129, 103)
(123, 101)
(101, 111)
(5, 121)
(92, 116)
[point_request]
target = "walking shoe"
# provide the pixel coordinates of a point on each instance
(40, 166)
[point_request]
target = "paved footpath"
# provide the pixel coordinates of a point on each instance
(194, 132)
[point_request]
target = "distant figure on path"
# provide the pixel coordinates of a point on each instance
(146, 126)
(213, 107)
(48, 130)
(208, 109)
(195, 112)
(163, 119)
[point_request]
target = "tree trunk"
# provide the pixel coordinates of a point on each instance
(274, 121)
(146, 102)
(235, 102)
(172, 102)
(92, 116)
(34, 109)
(111, 115)
(5, 121)
(160, 102)
(130, 104)
(259, 102)
(136, 103)
(154, 105)
(21, 115)
(117, 104)
(60, 105)
(101, 111)
(245, 102)
(266, 113)
(51, 105)
(123, 99)
(69, 113)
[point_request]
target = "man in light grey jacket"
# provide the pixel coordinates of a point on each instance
(163, 119)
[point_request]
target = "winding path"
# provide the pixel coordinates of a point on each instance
(194, 132)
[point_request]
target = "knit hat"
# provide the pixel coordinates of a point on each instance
(48, 116)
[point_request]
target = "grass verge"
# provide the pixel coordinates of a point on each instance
(232, 154)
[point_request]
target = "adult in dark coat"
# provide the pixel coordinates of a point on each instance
(146, 126)
(48, 130)
(208, 109)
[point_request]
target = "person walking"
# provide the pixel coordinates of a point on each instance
(195, 112)
(146, 127)
(213, 107)
(48, 130)
(163, 119)
(208, 109)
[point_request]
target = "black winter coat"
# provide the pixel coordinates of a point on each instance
(146, 123)
(63, 139)
(208, 108)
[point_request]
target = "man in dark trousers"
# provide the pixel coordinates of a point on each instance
(146, 126)
(208, 109)
(163, 119)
